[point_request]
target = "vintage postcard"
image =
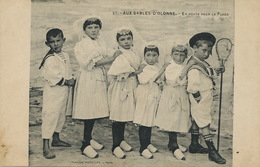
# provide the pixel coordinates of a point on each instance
(75, 62)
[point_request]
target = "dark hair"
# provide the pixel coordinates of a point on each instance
(123, 32)
(92, 20)
(151, 48)
(200, 42)
(180, 48)
(53, 33)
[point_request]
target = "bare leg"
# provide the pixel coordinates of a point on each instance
(56, 142)
(47, 153)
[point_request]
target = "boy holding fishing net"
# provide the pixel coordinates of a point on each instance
(200, 88)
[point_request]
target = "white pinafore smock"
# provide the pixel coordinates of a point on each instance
(147, 96)
(174, 108)
(122, 86)
(90, 97)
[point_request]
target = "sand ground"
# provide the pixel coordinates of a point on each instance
(102, 132)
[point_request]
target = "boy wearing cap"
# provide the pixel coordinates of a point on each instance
(200, 88)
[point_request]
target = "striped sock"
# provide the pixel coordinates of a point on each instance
(207, 138)
(195, 131)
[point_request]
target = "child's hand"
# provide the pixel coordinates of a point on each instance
(117, 53)
(186, 68)
(198, 101)
(197, 96)
(141, 67)
(166, 64)
(70, 82)
(161, 84)
(220, 70)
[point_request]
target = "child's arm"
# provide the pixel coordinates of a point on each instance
(120, 67)
(185, 70)
(220, 69)
(67, 82)
(194, 84)
(161, 81)
(108, 59)
(70, 82)
(140, 69)
(161, 71)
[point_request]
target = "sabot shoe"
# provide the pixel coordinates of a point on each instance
(147, 154)
(126, 147)
(90, 152)
(119, 153)
(96, 145)
(152, 149)
(178, 154)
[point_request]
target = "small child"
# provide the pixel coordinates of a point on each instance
(57, 73)
(173, 113)
(147, 97)
(200, 87)
(90, 98)
(121, 90)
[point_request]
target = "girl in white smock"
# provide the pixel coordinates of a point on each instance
(121, 90)
(174, 108)
(147, 97)
(90, 99)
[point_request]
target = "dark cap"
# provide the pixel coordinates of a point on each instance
(202, 36)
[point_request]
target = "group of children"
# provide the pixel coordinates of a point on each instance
(132, 95)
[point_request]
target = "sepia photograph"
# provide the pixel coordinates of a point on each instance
(131, 83)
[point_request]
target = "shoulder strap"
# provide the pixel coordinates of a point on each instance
(198, 67)
(49, 54)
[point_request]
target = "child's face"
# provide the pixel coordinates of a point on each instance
(151, 57)
(203, 51)
(178, 57)
(92, 31)
(125, 41)
(55, 43)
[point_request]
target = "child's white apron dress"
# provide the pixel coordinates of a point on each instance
(147, 96)
(174, 108)
(90, 93)
(122, 86)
